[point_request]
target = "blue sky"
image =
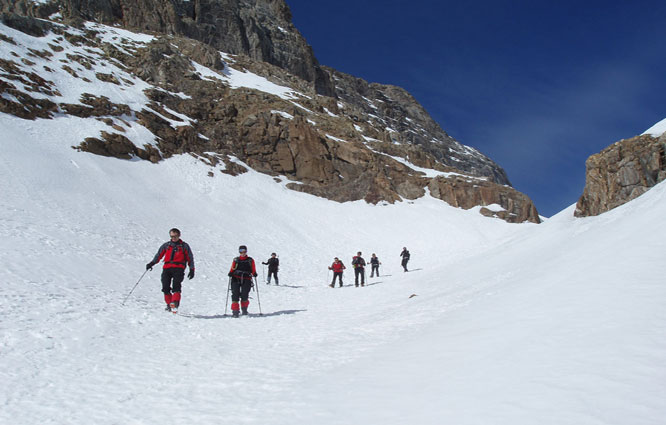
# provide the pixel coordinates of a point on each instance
(538, 86)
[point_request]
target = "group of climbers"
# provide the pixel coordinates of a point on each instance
(358, 263)
(177, 255)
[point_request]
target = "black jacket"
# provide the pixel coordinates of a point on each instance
(273, 264)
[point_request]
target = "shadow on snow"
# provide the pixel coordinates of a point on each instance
(229, 316)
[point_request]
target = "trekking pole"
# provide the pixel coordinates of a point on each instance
(263, 271)
(226, 303)
(258, 300)
(328, 273)
(135, 285)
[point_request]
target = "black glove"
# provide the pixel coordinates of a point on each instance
(254, 274)
(149, 266)
(230, 274)
(190, 275)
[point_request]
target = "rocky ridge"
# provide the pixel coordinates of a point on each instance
(366, 141)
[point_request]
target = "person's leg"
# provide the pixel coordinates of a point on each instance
(246, 286)
(178, 276)
(235, 296)
(166, 286)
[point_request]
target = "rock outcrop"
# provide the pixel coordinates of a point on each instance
(622, 172)
(260, 29)
(361, 141)
(466, 193)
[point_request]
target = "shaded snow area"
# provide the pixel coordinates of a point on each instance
(658, 129)
(558, 323)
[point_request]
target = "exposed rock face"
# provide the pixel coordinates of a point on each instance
(465, 193)
(370, 142)
(395, 116)
(622, 172)
(260, 29)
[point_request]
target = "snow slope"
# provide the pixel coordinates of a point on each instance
(559, 323)
(658, 129)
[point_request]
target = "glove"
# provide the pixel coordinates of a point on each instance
(190, 275)
(149, 266)
(230, 274)
(254, 274)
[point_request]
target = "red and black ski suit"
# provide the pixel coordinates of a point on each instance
(337, 268)
(241, 273)
(177, 255)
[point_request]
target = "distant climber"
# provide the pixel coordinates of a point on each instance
(338, 268)
(405, 258)
(273, 267)
(374, 262)
(359, 268)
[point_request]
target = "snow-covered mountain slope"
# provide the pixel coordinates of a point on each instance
(496, 323)
(153, 96)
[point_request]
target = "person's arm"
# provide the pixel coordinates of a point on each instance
(158, 256)
(189, 256)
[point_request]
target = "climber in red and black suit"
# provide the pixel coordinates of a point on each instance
(177, 255)
(241, 274)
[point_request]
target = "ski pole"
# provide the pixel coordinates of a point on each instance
(258, 300)
(135, 285)
(226, 303)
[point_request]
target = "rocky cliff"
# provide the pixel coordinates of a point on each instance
(261, 103)
(260, 29)
(622, 172)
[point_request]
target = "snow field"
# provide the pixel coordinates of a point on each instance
(79, 229)
(511, 324)
(560, 323)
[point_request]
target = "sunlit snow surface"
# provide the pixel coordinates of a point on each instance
(658, 129)
(558, 323)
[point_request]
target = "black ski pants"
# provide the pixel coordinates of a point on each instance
(240, 289)
(339, 276)
(375, 268)
(274, 273)
(172, 278)
(359, 271)
(404, 263)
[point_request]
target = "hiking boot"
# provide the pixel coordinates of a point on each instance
(235, 313)
(245, 312)
(167, 308)
(332, 285)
